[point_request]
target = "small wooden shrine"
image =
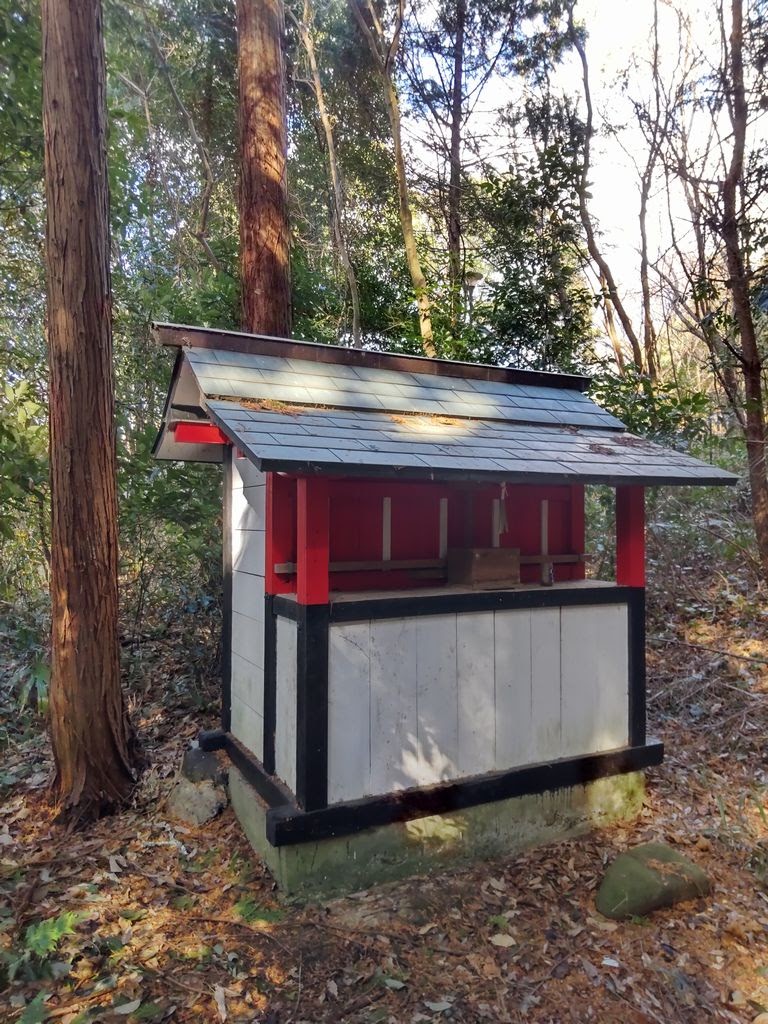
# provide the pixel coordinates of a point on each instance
(408, 629)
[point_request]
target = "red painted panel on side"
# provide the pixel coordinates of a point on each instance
(198, 433)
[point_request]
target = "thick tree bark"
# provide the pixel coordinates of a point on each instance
(92, 739)
(454, 181)
(305, 31)
(738, 285)
(263, 196)
(384, 57)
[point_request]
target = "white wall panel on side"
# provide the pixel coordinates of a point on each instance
(595, 679)
(349, 695)
(512, 630)
(248, 551)
(437, 698)
(249, 507)
(393, 721)
(247, 726)
(248, 638)
(285, 683)
(248, 595)
(248, 683)
(545, 730)
(245, 474)
(477, 693)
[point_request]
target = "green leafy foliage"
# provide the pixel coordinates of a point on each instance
(661, 410)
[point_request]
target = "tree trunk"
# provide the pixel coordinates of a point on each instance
(738, 285)
(454, 181)
(265, 282)
(384, 57)
(93, 743)
(305, 31)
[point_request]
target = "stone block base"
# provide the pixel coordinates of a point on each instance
(503, 828)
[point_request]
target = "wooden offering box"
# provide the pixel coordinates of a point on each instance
(484, 568)
(408, 630)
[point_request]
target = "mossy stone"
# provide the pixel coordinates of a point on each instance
(648, 878)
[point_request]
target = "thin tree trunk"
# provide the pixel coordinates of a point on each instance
(305, 31)
(93, 743)
(454, 182)
(646, 179)
(384, 58)
(586, 220)
(610, 326)
(738, 285)
(265, 300)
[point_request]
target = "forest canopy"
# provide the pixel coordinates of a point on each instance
(456, 185)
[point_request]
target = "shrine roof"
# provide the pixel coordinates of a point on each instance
(304, 408)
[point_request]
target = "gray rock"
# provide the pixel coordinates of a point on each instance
(196, 802)
(648, 878)
(198, 765)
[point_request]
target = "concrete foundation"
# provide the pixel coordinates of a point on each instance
(503, 828)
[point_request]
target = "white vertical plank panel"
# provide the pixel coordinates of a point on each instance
(285, 724)
(248, 595)
(247, 726)
(437, 698)
(248, 638)
(244, 473)
(393, 717)
(476, 672)
(248, 682)
(545, 739)
(595, 679)
(248, 551)
(512, 631)
(249, 507)
(349, 699)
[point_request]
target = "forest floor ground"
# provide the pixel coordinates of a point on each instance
(184, 923)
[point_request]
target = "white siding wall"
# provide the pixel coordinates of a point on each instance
(417, 701)
(285, 711)
(248, 510)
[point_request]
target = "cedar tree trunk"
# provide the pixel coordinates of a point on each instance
(265, 280)
(92, 740)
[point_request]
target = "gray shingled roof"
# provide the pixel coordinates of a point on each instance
(299, 415)
(299, 381)
(377, 442)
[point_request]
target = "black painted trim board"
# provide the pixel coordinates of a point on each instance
(286, 826)
(270, 682)
(226, 607)
(312, 706)
(636, 664)
(412, 603)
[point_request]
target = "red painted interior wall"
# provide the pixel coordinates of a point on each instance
(356, 527)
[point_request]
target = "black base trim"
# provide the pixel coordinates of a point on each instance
(287, 826)
(413, 604)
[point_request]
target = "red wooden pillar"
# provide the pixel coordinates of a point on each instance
(279, 542)
(312, 533)
(578, 530)
(630, 536)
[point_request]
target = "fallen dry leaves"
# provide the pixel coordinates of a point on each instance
(184, 924)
